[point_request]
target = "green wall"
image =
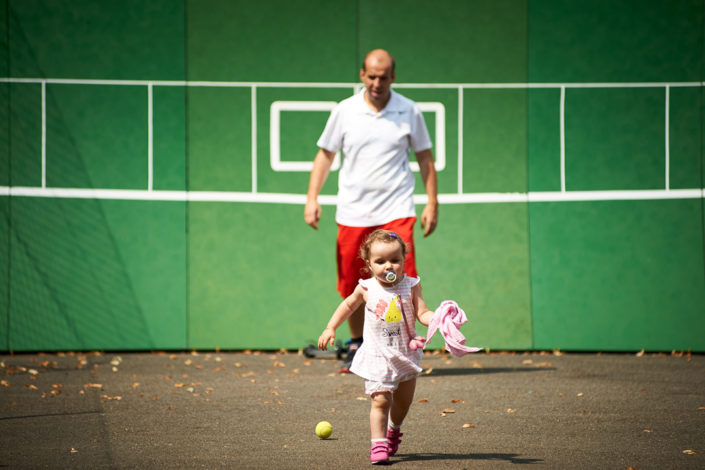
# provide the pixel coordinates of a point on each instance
(180, 271)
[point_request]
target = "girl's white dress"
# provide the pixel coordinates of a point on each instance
(385, 355)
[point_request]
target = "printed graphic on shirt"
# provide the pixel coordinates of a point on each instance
(381, 308)
(394, 313)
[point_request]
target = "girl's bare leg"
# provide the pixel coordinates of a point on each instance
(381, 402)
(401, 401)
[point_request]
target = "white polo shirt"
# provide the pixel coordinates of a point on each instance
(375, 184)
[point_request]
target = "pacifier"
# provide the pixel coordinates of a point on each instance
(390, 276)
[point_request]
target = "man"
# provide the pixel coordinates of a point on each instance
(375, 129)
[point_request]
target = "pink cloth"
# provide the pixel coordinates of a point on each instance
(447, 319)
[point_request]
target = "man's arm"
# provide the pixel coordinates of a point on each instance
(429, 216)
(319, 174)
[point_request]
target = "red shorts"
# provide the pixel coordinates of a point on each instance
(350, 239)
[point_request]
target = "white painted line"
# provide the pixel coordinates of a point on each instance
(354, 85)
(460, 140)
(44, 134)
(562, 137)
(668, 152)
(275, 111)
(150, 138)
(253, 136)
(281, 198)
(439, 150)
(619, 195)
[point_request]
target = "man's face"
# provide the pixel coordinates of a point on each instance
(378, 78)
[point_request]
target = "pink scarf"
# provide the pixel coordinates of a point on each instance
(447, 319)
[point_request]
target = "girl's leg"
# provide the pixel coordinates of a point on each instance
(401, 401)
(379, 412)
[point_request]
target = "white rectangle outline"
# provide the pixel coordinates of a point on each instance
(275, 110)
(277, 107)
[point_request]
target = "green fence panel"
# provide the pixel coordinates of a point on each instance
(152, 185)
(618, 275)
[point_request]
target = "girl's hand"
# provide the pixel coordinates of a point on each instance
(326, 338)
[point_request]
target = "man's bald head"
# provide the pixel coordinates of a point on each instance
(378, 58)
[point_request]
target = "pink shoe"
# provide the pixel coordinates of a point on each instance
(393, 440)
(379, 454)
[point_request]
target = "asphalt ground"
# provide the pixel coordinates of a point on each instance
(258, 410)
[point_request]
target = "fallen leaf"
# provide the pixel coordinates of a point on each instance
(278, 364)
(527, 362)
(511, 410)
(361, 398)
(468, 425)
(690, 452)
(73, 451)
(114, 398)
(92, 385)
(423, 400)
(4, 383)
(457, 401)
(32, 372)
(580, 394)
(648, 430)
(640, 353)
(448, 410)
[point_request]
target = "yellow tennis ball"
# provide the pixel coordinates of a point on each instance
(324, 430)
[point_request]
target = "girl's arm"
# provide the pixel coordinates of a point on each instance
(344, 310)
(423, 314)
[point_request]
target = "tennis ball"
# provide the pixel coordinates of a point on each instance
(324, 430)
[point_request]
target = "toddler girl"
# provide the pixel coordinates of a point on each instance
(389, 358)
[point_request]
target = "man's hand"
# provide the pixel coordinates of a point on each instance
(429, 219)
(312, 213)
(429, 216)
(319, 174)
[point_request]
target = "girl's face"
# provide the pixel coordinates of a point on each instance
(386, 257)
